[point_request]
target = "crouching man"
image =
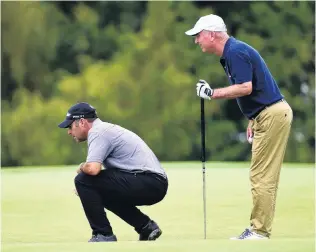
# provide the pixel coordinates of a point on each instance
(120, 173)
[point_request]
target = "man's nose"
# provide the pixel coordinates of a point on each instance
(69, 131)
(196, 40)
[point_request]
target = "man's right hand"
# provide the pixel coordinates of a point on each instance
(249, 132)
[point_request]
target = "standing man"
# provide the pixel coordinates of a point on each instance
(120, 173)
(261, 102)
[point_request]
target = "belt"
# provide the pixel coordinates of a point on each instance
(266, 106)
(156, 175)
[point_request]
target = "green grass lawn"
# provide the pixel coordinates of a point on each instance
(41, 213)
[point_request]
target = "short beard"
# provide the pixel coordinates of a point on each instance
(79, 140)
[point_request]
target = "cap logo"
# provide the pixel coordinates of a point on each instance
(68, 114)
(77, 116)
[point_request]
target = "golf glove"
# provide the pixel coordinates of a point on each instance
(204, 90)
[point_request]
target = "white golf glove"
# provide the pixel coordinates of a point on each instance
(204, 90)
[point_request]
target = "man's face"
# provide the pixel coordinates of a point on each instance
(205, 39)
(77, 130)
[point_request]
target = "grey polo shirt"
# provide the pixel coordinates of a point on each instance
(118, 148)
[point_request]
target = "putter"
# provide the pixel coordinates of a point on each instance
(203, 161)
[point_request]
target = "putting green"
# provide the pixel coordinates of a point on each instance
(41, 213)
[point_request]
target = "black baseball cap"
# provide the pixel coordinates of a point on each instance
(77, 111)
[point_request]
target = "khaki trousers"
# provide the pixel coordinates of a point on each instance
(271, 132)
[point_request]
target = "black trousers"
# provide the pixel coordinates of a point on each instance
(119, 192)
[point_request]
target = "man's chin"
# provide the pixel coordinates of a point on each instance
(207, 50)
(78, 140)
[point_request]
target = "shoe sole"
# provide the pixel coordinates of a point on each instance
(154, 235)
(112, 239)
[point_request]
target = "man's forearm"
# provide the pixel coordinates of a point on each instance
(231, 92)
(92, 168)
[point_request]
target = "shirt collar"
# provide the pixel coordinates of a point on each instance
(96, 122)
(227, 46)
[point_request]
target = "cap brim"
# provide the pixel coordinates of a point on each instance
(193, 32)
(65, 124)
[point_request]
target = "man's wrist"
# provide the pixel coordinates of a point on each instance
(210, 92)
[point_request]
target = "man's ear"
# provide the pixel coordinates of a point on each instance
(84, 122)
(211, 35)
(81, 122)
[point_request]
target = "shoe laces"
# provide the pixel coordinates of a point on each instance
(245, 234)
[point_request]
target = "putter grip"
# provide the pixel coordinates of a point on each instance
(202, 131)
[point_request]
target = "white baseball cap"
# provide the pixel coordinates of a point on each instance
(210, 23)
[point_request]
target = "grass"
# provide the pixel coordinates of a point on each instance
(41, 213)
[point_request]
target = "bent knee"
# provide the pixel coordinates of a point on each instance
(81, 178)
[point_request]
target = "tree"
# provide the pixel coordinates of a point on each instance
(29, 38)
(289, 53)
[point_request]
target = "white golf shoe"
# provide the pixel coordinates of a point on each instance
(248, 234)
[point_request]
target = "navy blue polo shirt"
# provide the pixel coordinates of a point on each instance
(242, 63)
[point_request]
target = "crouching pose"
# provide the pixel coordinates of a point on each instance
(120, 173)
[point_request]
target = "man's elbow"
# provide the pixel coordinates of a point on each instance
(93, 169)
(248, 88)
(248, 91)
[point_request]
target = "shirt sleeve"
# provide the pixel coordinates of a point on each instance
(99, 147)
(241, 67)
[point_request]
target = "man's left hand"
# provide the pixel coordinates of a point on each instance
(204, 90)
(79, 168)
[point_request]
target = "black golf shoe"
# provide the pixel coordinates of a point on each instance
(103, 238)
(150, 232)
